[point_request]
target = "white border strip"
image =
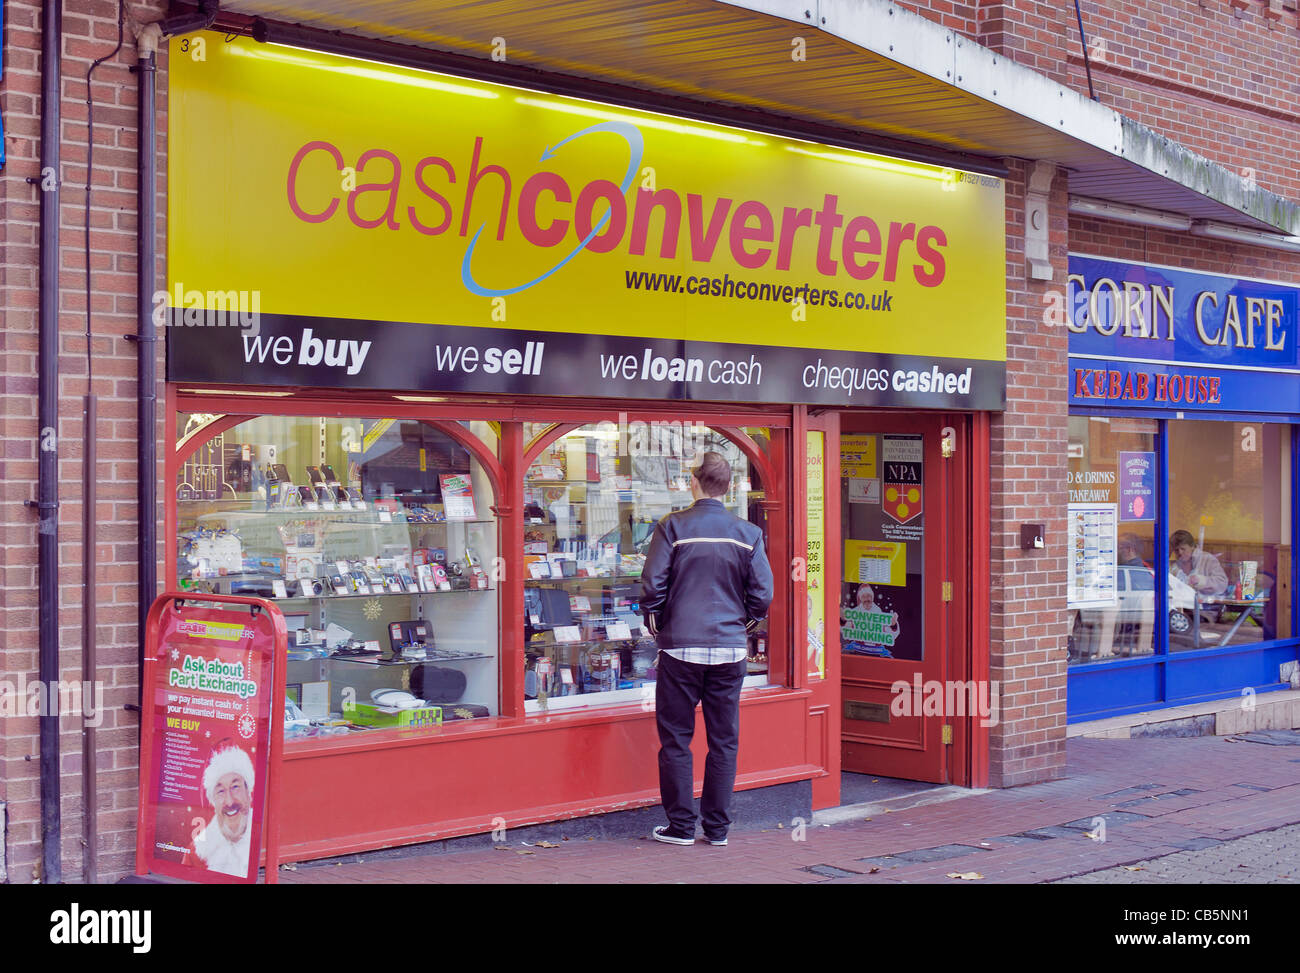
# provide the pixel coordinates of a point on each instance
(1186, 364)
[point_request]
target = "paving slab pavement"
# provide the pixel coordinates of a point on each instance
(1263, 858)
(1177, 802)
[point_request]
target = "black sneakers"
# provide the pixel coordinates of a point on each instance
(668, 835)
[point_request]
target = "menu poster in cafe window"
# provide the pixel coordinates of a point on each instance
(1092, 532)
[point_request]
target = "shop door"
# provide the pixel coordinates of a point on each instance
(894, 624)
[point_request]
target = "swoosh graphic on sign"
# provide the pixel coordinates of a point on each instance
(636, 149)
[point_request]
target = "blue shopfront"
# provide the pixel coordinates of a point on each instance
(1184, 403)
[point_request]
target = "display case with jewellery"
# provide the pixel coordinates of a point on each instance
(376, 540)
(591, 503)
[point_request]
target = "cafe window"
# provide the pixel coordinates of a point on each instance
(1113, 486)
(1230, 533)
(592, 499)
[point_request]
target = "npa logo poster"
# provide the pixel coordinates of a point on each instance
(207, 735)
(902, 459)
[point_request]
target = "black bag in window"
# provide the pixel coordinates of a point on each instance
(463, 711)
(437, 684)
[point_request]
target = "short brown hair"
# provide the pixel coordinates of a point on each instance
(714, 474)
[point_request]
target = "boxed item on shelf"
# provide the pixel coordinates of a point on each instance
(387, 717)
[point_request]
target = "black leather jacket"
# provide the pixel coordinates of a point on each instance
(706, 575)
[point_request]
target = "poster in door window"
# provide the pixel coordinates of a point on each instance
(903, 486)
(881, 596)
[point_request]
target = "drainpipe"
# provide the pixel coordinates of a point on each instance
(1083, 40)
(148, 37)
(146, 261)
(47, 408)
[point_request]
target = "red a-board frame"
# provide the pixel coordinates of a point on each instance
(269, 855)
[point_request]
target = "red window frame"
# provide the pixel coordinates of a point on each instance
(506, 473)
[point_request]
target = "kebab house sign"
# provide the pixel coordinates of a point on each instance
(207, 753)
(1163, 338)
(378, 227)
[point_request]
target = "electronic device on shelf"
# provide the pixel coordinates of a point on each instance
(410, 639)
(328, 472)
(315, 477)
(549, 606)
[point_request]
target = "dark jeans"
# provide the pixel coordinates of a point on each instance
(678, 688)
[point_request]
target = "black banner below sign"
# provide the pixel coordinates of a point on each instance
(340, 353)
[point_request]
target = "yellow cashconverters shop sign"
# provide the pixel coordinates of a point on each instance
(326, 207)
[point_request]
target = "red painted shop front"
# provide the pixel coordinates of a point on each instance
(441, 444)
(516, 760)
(584, 753)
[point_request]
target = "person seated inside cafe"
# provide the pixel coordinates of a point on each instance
(1129, 551)
(1195, 567)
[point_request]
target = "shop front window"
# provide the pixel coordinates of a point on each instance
(1230, 530)
(376, 540)
(591, 503)
(1113, 492)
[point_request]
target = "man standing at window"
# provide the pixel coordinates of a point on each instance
(705, 585)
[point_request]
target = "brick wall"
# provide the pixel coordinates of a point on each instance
(90, 32)
(1218, 77)
(1221, 81)
(1028, 465)
(1149, 245)
(961, 17)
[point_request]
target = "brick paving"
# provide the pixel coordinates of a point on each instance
(1177, 803)
(1267, 857)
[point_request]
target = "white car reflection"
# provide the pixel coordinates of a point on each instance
(1135, 605)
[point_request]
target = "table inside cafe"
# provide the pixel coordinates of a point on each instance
(1244, 609)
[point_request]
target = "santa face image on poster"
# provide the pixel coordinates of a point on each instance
(223, 844)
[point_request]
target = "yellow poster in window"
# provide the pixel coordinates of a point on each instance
(816, 554)
(858, 457)
(875, 562)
